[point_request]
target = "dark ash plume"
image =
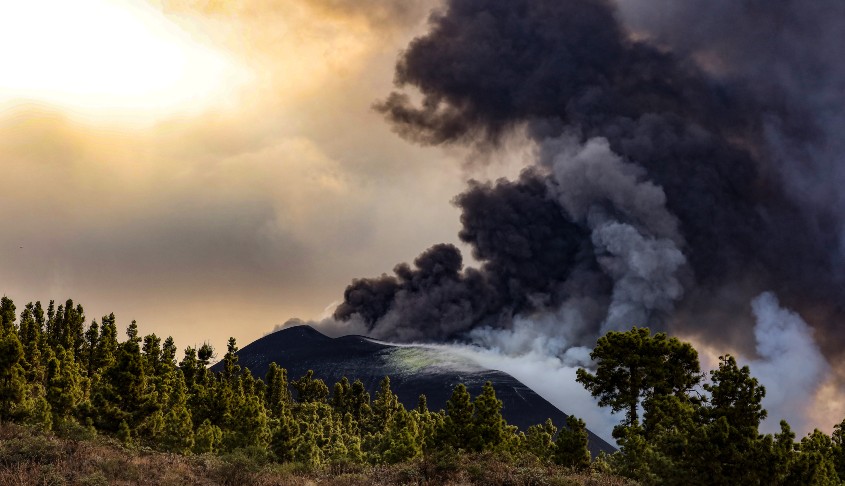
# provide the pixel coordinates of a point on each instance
(527, 245)
(528, 249)
(434, 300)
(659, 179)
(789, 50)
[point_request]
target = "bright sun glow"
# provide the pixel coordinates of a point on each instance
(107, 59)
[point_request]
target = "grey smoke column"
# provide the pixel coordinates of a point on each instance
(635, 237)
(659, 180)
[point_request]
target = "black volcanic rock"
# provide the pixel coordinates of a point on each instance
(413, 370)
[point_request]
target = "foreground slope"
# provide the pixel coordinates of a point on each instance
(32, 458)
(413, 370)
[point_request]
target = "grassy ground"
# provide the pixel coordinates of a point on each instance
(29, 457)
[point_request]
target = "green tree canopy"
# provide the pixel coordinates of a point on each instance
(310, 389)
(490, 426)
(571, 444)
(459, 428)
(635, 366)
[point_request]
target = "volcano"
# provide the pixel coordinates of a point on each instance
(413, 370)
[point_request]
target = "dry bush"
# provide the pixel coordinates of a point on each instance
(31, 458)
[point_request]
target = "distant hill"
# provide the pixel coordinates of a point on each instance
(413, 370)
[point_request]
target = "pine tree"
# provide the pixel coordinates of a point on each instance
(539, 440)
(148, 407)
(13, 385)
(784, 453)
(207, 438)
(67, 326)
(334, 449)
(92, 337)
(168, 354)
(490, 428)
(50, 325)
(249, 426)
(251, 385)
(727, 448)
(571, 445)
(814, 464)
(38, 313)
(379, 429)
(7, 316)
(277, 392)
(352, 440)
(211, 399)
(106, 347)
(315, 422)
(177, 428)
(635, 365)
(737, 396)
(178, 433)
(403, 441)
(310, 390)
(430, 424)
(189, 365)
(151, 350)
(29, 335)
(838, 438)
(205, 354)
(679, 443)
(359, 402)
(151, 427)
(636, 458)
(42, 415)
(284, 437)
(341, 396)
(231, 369)
(64, 388)
(422, 404)
(307, 451)
(384, 407)
(122, 394)
(132, 338)
(459, 430)
(124, 434)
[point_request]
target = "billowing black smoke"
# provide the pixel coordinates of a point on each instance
(527, 245)
(528, 248)
(658, 185)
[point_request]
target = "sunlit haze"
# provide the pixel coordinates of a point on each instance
(210, 169)
(108, 59)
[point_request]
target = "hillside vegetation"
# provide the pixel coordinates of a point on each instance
(93, 408)
(32, 458)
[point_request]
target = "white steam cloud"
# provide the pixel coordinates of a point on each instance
(551, 376)
(791, 366)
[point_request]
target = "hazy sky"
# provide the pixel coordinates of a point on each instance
(208, 170)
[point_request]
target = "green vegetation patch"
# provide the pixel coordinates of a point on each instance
(412, 360)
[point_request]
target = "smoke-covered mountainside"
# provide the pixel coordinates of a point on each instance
(413, 370)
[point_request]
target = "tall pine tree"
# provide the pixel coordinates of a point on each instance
(459, 428)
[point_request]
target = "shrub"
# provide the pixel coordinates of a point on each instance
(33, 449)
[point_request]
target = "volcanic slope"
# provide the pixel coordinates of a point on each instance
(413, 370)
